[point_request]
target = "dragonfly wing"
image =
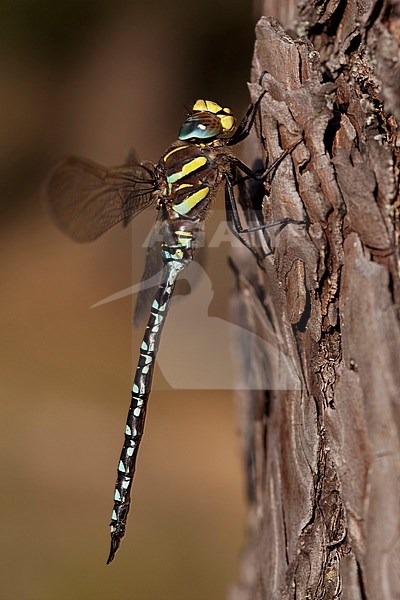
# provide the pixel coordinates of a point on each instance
(133, 159)
(86, 199)
(152, 275)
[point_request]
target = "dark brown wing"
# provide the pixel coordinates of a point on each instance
(86, 199)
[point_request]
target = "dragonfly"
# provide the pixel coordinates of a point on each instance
(85, 199)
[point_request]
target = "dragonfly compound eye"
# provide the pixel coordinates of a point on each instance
(208, 120)
(201, 126)
(224, 114)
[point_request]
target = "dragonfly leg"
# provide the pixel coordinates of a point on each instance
(232, 214)
(234, 222)
(245, 124)
(269, 171)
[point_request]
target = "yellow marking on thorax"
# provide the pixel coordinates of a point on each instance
(166, 157)
(191, 201)
(188, 168)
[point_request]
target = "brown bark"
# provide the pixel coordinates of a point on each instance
(323, 456)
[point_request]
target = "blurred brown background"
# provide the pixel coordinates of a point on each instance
(95, 78)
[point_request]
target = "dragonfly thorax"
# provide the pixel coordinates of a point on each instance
(188, 176)
(207, 121)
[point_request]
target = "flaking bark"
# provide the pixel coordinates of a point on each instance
(323, 456)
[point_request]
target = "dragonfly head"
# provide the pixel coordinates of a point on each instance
(207, 121)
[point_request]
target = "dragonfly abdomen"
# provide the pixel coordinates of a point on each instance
(176, 257)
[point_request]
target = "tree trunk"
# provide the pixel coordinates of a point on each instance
(322, 444)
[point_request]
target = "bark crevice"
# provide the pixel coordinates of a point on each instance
(325, 436)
